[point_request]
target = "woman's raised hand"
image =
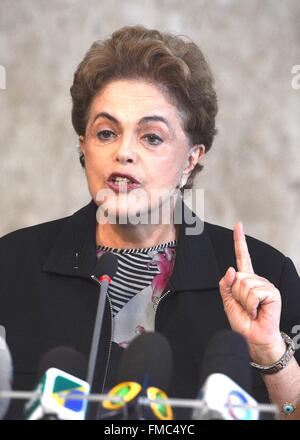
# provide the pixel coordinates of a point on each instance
(252, 304)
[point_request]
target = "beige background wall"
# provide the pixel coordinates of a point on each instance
(253, 170)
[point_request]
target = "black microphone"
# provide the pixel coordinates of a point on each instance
(104, 271)
(66, 359)
(145, 371)
(106, 266)
(61, 370)
(226, 379)
(227, 353)
(147, 360)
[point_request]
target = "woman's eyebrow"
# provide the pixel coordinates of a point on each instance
(154, 118)
(144, 120)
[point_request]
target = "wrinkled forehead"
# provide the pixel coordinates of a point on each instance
(130, 101)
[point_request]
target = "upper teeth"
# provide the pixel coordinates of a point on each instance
(121, 179)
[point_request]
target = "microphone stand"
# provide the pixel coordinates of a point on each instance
(95, 347)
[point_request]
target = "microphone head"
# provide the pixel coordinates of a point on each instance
(107, 264)
(66, 359)
(147, 360)
(5, 375)
(227, 353)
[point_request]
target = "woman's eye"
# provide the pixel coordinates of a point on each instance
(104, 134)
(153, 139)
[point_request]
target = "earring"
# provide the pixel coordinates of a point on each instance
(82, 159)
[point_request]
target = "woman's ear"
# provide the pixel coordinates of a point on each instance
(195, 154)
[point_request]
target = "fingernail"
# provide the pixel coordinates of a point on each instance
(231, 272)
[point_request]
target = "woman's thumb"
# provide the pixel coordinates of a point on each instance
(227, 280)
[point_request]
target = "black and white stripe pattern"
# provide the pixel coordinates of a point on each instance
(134, 272)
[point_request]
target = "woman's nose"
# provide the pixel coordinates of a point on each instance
(124, 157)
(126, 152)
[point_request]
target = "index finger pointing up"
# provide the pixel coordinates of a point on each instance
(243, 259)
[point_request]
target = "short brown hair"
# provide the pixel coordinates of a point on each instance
(134, 52)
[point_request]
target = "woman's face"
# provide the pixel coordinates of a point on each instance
(135, 147)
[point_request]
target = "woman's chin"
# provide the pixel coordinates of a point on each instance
(124, 213)
(135, 210)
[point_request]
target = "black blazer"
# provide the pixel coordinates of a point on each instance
(48, 299)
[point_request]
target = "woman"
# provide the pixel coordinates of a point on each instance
(144, 110)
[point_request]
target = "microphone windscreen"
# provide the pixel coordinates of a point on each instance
(5, 375)
(147, 360)
(66, 359)
(107, 264)
(227, 353)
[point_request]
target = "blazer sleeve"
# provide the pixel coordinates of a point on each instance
(290, 292)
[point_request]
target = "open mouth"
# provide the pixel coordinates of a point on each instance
(122, 182)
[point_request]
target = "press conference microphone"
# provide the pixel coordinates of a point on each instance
(60, 371)
(5, 375)
(145, 370)
(226, 378)
(104, 271)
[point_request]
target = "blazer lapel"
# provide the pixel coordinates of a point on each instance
(74, 252)
(196, 266)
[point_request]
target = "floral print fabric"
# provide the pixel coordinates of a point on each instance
(140, 280)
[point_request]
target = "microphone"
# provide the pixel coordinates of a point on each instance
(145, 370)
(5, 375)
(226, 376)
(104, 271)
(60, 372)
